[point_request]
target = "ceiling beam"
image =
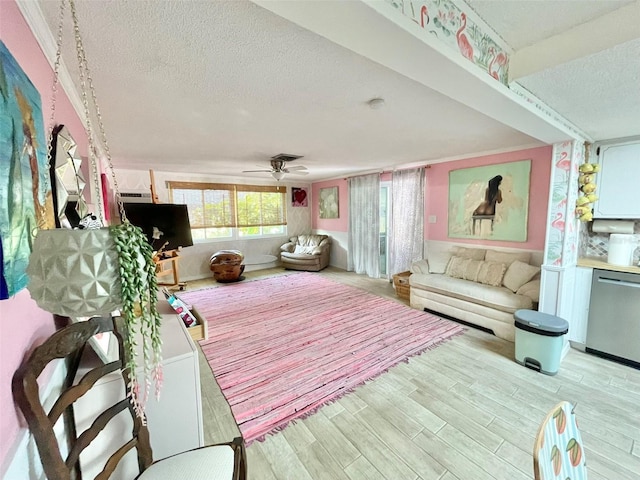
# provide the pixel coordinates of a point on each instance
(602, 33)
(378, 32)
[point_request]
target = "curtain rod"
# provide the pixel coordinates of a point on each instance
(384, 171)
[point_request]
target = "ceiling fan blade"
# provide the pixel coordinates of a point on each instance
(296, 167)
(253, 171)
(299, 172)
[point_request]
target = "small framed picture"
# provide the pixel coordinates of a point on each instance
(299, 197)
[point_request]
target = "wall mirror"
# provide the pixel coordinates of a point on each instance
(68, 180)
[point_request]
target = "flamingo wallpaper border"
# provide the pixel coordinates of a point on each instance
(449, 24)
(563, 238)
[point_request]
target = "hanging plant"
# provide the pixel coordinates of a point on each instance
(139, 309)
(91, 272)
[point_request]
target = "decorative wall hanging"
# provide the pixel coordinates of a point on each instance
(299, 197)
(490, 202)
(94, 272)
(25, 198)
(329, 207)
(68, 180)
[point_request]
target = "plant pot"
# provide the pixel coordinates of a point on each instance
(75, 272)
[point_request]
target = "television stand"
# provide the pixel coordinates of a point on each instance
(168, 263)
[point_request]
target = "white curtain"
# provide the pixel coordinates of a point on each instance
(406, 237)
(364, 225)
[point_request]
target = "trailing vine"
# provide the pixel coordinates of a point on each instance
(139, 298)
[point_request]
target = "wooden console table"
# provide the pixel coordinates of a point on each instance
(168, 265)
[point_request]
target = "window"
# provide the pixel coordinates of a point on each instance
(222, 210)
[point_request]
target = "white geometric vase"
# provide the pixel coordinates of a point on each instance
(75, 273)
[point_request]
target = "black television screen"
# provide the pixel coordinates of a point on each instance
(170, 221)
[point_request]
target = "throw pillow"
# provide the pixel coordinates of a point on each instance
(507, 257)
(518, 274)
(473, 253)
(491, 273)
(304, 250)
(438, 261)
(531, 289)
(472, 270)
(457, 266)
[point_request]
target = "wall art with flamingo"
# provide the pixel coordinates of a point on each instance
(491, 202)
(456, 29)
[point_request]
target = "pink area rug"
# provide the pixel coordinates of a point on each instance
(283, 346)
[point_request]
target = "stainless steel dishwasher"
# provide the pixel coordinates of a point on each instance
(614, 316)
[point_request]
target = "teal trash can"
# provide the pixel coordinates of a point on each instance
(539, 340)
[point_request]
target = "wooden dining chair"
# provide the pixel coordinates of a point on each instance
(558, 451)
(225, 461)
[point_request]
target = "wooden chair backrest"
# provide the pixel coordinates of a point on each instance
(69, 344)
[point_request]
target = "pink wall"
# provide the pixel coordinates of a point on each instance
(22, 324)
(330, 224)
(437, 195)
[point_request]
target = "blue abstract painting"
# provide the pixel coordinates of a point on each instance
(25, 195)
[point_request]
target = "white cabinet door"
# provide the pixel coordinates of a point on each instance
(581, 298)
(618, 181)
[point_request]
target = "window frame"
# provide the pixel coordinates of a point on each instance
(236, 224)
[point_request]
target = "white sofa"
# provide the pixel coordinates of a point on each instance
(480, 286)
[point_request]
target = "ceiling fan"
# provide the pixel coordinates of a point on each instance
(279, 166)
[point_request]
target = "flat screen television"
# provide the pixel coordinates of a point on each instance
(171, 222)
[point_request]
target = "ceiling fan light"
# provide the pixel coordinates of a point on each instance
(277, 175)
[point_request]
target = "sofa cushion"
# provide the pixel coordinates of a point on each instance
(507, 257)
(473, 253)
(305, 250)
(472, 270)
(457, 266)
(491, 273)
(531, 289)
(300, 257)
(518, 274)
(499, 298)
(438, 261)
(310, 240)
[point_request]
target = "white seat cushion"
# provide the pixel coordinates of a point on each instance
(208, 463)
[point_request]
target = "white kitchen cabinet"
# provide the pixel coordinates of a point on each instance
(580, 311)
(174, 422)
(617, 181)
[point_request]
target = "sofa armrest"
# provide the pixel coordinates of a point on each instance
(288, 247)
(421, 266)
(530, 289)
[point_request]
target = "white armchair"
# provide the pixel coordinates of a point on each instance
(306, 252)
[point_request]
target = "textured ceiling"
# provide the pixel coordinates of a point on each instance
(219, 87)
(522, 23)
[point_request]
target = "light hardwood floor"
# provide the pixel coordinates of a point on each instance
(464, 410)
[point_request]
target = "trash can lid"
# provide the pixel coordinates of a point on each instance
(540, 321)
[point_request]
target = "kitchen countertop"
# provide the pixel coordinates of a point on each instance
(600, 262)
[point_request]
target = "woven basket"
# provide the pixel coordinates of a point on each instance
(401, 284)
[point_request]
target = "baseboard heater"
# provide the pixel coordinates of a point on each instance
(457, 320)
